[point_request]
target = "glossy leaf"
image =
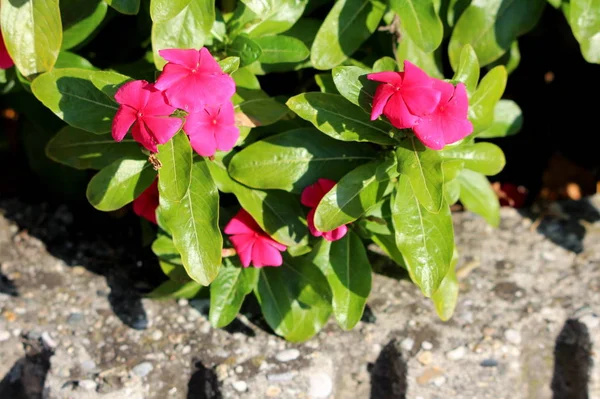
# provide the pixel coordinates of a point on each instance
(292, 160)
(467, 70)
(32, 32)
(331, 114)
(281, 49)
(193, 221)
(490, 26)
(120, 183)
(180, 24)
(584, 18)
(295, 298)
(230, 64)
(446, 297)
(108, 82)
(420, 19)
(508, 120)
(423, 168)
(429, 62)
(355, 194)
(425, 239)
(348, 24)
(73, 97)
(278, 17)
(277, 212)
(84, 150)
(478, 196)
(228, 290)
(175, 174)
(486, 158)
(171, 289)
(260, 111)
(325, 83)
(385, 64)
(452, 191)
(129, 7)
(67, 59)
(485, 98)
(352, 83)
(510, 59)
(246, 49)
(169, 259)
(80, 19)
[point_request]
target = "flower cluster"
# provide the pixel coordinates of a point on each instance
(191, 81)
(311, 196)
(434, 109)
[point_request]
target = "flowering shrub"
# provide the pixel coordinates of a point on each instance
(382, 127)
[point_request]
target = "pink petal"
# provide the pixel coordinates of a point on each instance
(398, 114)
(225, 113)
(382, 94)
(162, 127)
(157, 104)
(415, 77)
(311, 195)
(171, 74)
(204, 143)
(446, 90)
(216, 88)
(124, 118)
(141, 135)
(326, 186)
(421, 100)
(243, 245)
(145, 205)
(241, 223)
(430, 131)
(264, 254)
(310, 219)
(135, 94)
(208, 64)
(226, 137)
(188, 57)
(458, 105)
(336, 234)
(393, 78)
(5, 59)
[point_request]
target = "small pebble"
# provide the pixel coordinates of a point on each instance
(407, 344)
(186, 349)
(88, 366)
(48, 341)
(75, 318)
(143, 369)
(320, 385)
(489, 363)
(239, 369)
(457, 353)
(222, 371)
(287, 355)
(88, 385)
(157, 335)
(512, 336)
(182, 302)
(425, 358)
(273, 391)
(281, 377)
(590, 320)
(4, 335)
(439, 381)
(427, 345)
(240, 386)
(429, 374)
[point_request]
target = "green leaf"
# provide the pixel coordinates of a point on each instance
(425, 239)
(346, 27)
(325, 83)
(230, 64)
(180, 24)
(385, 64)
(478, 196)
(280, 49)
(490, 26)
(169, 259)
(261, 111)
(452, 191)
(349, 275)
(245, 79)
(174, 290)
(295, 298)
(555, 3)
(485, 98)
(352, 83)
(420, 19)
(108, 82)
(510, 59)
(423, 168)
(486, 158)
(455, 10)
(278, 17)
(32, 32)
(355, 194)
(228, 290)
(429, 62)
(194, 221)
(277, 212)
(446, 297)
(67, 59)
(120, 183)
(508, 120)
(294, 159)
(129, 7)
(83, 150)
(176, 171)
(73, 97)
(467, 70)
(246, 49)
(334, 116)
(584, 19)
(80, 19)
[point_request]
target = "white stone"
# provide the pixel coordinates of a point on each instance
(240, 386)
(439, 381)
(88, 385)
(590, 321)
(457, 353)
(427, 345)
(157, 335)
(321, 385)
(186, 349)
(4, 335)
(407, 344)
(143, 369)
(287, 355)
(512, 336)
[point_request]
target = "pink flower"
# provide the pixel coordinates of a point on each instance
(311, 196)
(404, 96)
(251, 243)
(145, 108)
(145, 205)
(5, 60)
(193, 78)
(449, 122)
(212, 128)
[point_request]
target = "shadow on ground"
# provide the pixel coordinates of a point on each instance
(388, 373)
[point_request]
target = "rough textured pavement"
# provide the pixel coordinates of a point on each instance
(526, 325)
